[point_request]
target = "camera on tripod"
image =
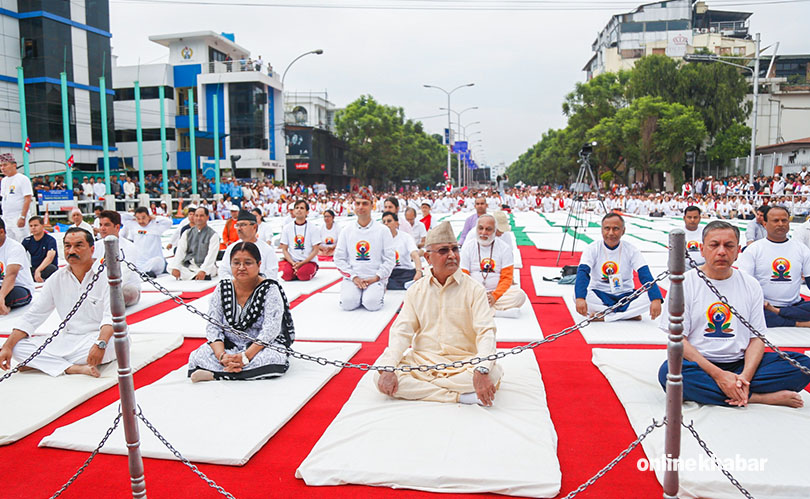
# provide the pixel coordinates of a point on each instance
(587, 149)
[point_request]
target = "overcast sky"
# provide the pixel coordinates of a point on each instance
(522, 62)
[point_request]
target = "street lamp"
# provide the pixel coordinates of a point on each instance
(462, 131)
(754, 80)
(283, 77)
(449, 148)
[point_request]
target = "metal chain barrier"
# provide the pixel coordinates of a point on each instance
(743, 320)
(406, 368)
(110, 431)
(716, 461)
(59, 329)
(179, 456)
(655, 424)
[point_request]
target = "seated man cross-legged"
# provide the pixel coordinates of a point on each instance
(15, 273)
(725, 363)
(490, 261)
(605, 275)
(41, 248)
(145, 231)
(779, 264)
(83, 344)
(109, 224)
(197, 250)
(446, 317)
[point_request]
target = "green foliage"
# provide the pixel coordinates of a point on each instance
(646, 118)
(385, 147)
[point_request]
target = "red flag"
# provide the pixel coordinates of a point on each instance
(70, 161)
(28, 144)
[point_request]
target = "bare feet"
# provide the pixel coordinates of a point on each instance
(201, 375)
(784, 397)
(83, 369)
(771, 308)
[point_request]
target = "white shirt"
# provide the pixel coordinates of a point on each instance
(269, 266)
(365, 252)
(694, 243)
(60, 292)
(13, 253)
(300, 239)
(14, 189)
(147, 239)
(606, 264)
(404, 245)
(779, 268)
(128, 252)
(417, 230)
(100, 190)
(484, 263)
(709, 325)
(329, 237)
(129, 189)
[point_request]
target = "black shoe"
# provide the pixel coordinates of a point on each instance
(151, 274)
(207, 277)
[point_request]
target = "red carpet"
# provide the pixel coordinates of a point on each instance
(590, 422)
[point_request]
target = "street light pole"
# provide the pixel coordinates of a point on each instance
(755, 81)
(463, 134)
(283, 77)
(449, 130)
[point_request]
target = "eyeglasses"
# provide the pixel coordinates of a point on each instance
(247, 263)
(243, 225)
(446, 250)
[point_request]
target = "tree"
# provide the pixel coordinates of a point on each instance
(384, 147)
(654, 76)
(734, 141)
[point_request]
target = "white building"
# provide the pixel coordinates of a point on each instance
(249, 110)
(670, 27)
(53, 37)
(312, 109)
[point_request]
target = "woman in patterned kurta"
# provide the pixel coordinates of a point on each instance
(248, 303)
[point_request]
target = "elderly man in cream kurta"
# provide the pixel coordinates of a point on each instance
(445, 318)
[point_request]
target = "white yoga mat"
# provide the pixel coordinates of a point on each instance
(552, 241)
(754, 432)
(523, 328)
(169, 282)
(185, 412)
(549, 288)
(320, 318)
(33, 399)
(435, 443)
(177, 320)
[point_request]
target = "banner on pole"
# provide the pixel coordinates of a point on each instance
(56, 199)
(460, 146)
(70, 161)
(28, 145)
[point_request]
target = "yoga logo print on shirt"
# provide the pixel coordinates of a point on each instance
(609, 269)
(719, 316)
(2, 271)
(11, 189)
(363, 251)
(693, 246)
(329, 241)
(142, 232)
(299, 241)
(487, 265)
(781, 270)
(396, 254)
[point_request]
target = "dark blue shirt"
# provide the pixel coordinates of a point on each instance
(39, 249)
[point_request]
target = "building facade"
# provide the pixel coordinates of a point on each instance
(249, 113)
(783, 107)
(671, 27)
(46, 38)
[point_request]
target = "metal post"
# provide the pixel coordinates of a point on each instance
(126, 386)
(66, 130)
(449, 137)
(755, 81)
(216, 144)
(105, 146)
(193, 146)
(164, 166)
(139, 136)
(23, 120)
(672, 443)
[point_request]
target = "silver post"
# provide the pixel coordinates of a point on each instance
(672, 444)
(126, 386)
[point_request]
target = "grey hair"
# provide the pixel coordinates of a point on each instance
(720, 225)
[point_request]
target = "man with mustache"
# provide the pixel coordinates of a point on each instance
(82, 345)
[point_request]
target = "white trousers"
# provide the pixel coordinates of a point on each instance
(156, 265)
(190, 272)
(14, 232)
(132, 294)
(73, 350)
(371, 298)
(637, 307)
(513, 298)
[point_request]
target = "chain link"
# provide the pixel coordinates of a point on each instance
(655, 424)
(742, 319)
(405, 368)
(714, 458)
(182, 459)
(59, 329)
(87, 462)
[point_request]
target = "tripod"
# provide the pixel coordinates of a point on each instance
(579, 205)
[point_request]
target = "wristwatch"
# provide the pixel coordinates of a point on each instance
(101, 344)
(245, 360)
(482, 370)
